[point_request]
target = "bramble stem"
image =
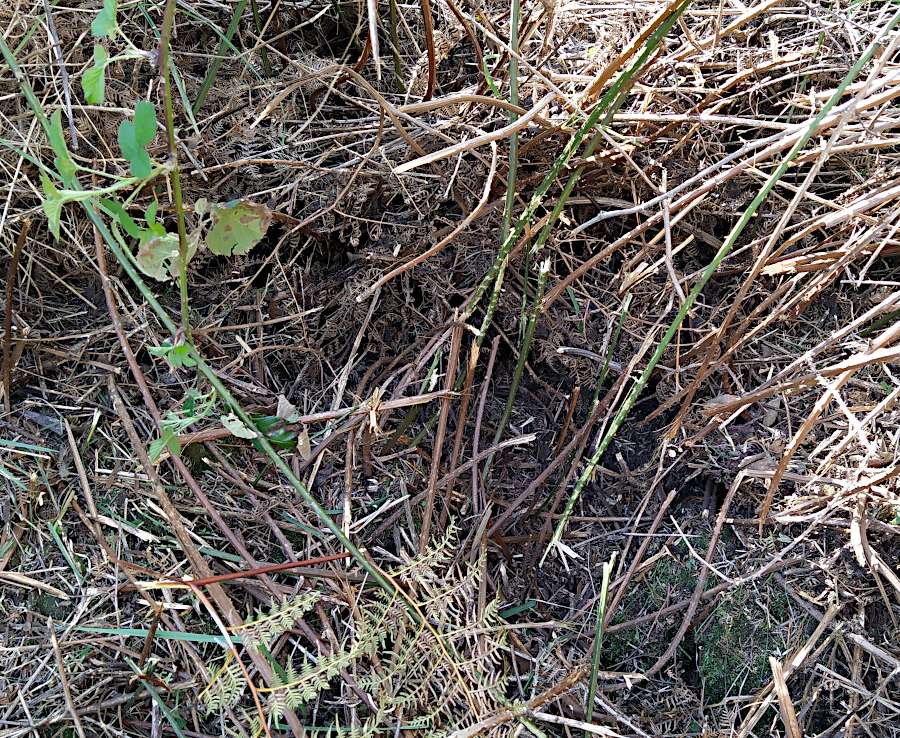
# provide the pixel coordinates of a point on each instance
(175, 174)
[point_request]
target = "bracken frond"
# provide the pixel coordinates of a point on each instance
(281, 617)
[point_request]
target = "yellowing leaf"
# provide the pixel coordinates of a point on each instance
(236, 227)
(157, 256)
(237, 428)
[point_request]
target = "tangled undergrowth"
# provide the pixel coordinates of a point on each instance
(345, 343)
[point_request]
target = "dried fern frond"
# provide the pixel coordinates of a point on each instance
(267, 626)
(225, 686)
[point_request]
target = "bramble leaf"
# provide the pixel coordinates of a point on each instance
(93, 81)
(178, 356)
(51, 204)
(105, 22)
(236, 226)
(134, 137)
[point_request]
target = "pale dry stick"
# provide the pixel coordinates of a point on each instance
(461, 98)
(348, 365)
(63, 73)
(452, 364)
(761, 149)
(546, 717)
(25, 581)
(442, 244)
(478, 141)
(710, 118)
(667, 229)
(855, 362)
(786, 706)
(372, 15)
(67, 692)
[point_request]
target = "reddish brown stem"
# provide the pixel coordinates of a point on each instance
(429, 43)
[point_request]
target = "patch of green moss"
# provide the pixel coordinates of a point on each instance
(734, 643)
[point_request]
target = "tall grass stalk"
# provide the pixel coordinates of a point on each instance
(219, 57)
(598, 639)
(600, 112)
(723, 251)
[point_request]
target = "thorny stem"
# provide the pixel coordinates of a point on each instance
(175, 174)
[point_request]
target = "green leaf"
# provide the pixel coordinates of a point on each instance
(273, 428)
(157, 255)
(150, 214)
(177, 356)
(236, 427)
(144, 122)
(134, 137)
(236, 227)
(93, 81)
(105, 22)
(122, 217)
(51, 204)
(168, 440)
(63, 161)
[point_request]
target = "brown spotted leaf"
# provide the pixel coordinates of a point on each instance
(157, 256)
(236, 226)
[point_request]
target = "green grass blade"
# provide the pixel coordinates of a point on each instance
(171, 635)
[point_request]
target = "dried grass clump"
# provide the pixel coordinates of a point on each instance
(415, 366)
